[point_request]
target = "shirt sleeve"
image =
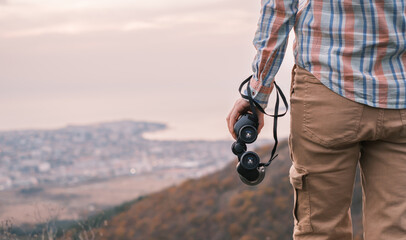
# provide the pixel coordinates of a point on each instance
(271, 38)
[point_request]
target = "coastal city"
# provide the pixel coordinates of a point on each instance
(78, 154)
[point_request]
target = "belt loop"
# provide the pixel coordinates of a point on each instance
(292, 83)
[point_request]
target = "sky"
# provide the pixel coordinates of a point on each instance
(179, 62)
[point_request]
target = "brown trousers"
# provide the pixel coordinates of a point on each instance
(330, 135)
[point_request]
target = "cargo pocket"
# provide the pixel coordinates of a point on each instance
(301, 209)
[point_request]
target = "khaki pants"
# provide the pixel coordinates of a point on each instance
(330, 135)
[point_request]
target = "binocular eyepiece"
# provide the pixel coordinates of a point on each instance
(248, 167)
(246, 128)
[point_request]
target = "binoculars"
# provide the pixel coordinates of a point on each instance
(250, 170)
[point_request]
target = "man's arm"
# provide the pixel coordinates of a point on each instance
(271, 38)
(276, 21)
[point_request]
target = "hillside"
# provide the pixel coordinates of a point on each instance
(216, 207)
(82, 170)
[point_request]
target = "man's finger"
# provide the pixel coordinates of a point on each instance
(230, 124)
(233, 119)
(240, 106)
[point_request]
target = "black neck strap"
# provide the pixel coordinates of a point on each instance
(254, 106)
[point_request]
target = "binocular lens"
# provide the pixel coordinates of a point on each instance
(250, 160)
(248, 134)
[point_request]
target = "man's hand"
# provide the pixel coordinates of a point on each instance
(240, 107)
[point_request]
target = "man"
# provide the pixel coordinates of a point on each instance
(348, 106)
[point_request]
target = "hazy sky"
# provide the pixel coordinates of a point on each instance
(173, 61)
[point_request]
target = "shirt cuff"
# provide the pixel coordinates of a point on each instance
(260, 93)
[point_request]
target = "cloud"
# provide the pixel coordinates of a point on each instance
(79, 17)
(72, 28)
(137, 25)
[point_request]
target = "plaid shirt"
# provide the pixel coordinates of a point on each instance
(354, 47)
